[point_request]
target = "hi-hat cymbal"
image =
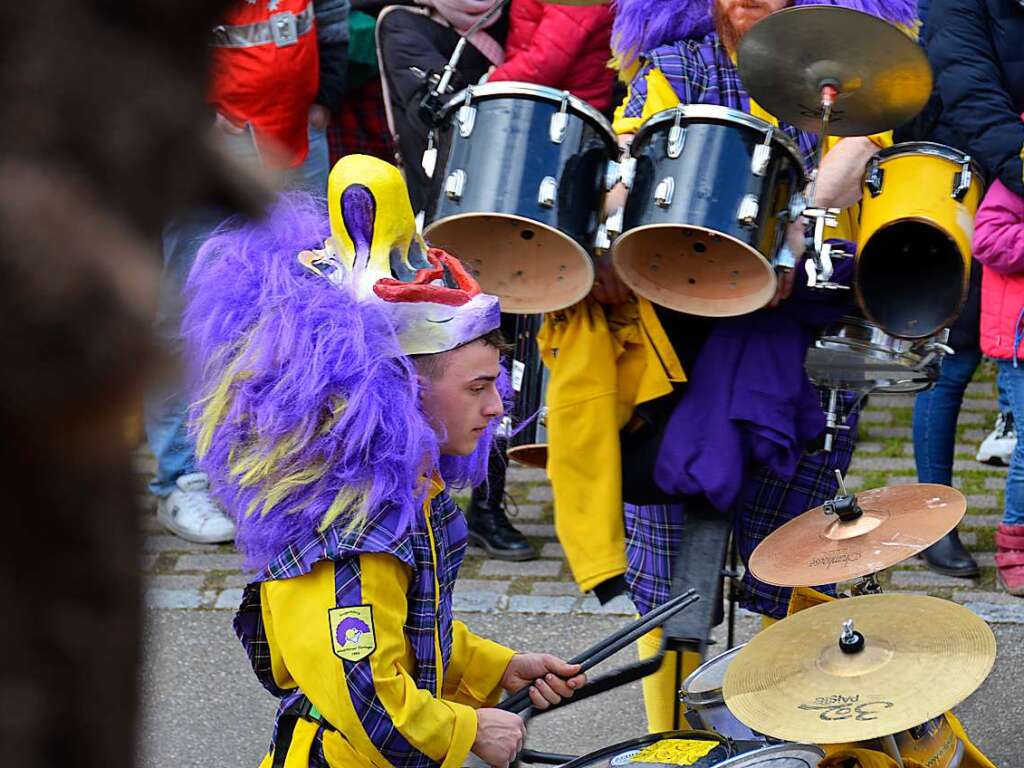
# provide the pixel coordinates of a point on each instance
(818, 548)
(882, 76)
(920, 657)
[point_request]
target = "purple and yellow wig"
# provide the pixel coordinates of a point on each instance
(643, 25)
(307, 409)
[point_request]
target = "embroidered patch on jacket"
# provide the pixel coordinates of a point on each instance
(352, 635)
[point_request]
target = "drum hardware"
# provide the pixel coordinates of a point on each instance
(455, 184)
(819, 266)
(429, 160)
(466, 116)
(664, 191)
(698, 749)
(919, 657)
(833, 421)
(559, 125)
(866, 585)
(602, 240)
(613, 223)
(747, 213)
(676, 137)
(893, 524)
(962, 181)
(701, 692)
(835, 70)
(548, 192)
(762, 155)
(777, 756)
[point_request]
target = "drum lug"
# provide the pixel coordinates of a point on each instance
(613, 223)
(455, 184)
(466, 116)
(762, 155)
(962, 180)
(664, 192)
(602, 242)
(612, 175)
(676, 137)
(875, 177)
(548, 192)
(627, 170)
(429, 159)
(750, 206)
(559, 126)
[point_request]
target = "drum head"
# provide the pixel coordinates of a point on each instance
(910, 278)
(699, 749)
(529, 266)
(693, 270)
(704, 685)
(778, 756)
(532, 455)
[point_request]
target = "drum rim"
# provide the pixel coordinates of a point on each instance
(711, 695)
(735, 760)
(543, 92)
(648, 739)
(931, 149)
(726, 114)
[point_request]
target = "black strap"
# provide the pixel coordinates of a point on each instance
(300, 709)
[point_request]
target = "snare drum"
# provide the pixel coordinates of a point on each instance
(517, 180)
(858, 356)
(778, 756)
(702, 694)
(699, 749)
(709, 198)
(917, 221)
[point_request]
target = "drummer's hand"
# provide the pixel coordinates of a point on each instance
(550, 679)
(608, 286)
(783, 286)
(499, 736)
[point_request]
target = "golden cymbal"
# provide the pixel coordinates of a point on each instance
(882, 76)
(921, 656)
(818, 548)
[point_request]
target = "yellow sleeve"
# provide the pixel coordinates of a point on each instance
(473, 676)
(660, 96)
(362, 697)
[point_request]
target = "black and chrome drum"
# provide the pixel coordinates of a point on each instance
(699, 749)
(709, 196)
(858, 356)
(778, 756)
(527, 424)
(517, 180)
(702, 694)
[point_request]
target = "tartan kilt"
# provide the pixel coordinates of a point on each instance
(360, 125)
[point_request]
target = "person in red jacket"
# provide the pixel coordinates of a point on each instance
(999, 246)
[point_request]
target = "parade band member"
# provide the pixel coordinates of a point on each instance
(746, 379)
(345, 375)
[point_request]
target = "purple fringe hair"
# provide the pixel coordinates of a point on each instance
(643, 25)
(307, 378)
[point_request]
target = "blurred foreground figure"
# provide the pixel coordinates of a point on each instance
(104, 137)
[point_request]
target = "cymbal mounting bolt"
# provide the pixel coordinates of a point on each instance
(850, 641)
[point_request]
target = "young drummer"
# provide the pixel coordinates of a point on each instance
(345, 376)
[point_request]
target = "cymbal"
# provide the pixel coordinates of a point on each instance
(818, 548)
(921, 656)
(882, 76)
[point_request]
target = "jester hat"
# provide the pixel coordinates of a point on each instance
(298, 330)
(643, 25)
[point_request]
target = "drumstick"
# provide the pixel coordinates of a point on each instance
(609, 646)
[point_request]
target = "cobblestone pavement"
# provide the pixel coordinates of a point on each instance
(202, 577)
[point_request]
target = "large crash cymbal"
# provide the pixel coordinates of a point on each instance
(920, 657)
(818, 548)
(882, 76)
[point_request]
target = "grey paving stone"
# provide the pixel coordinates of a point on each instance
(998, 613)
(526, 512)
(869, 447)
(982, 501)
(237, 580)
(217, 562)
(228, 599)
(876, 417)
(861, 464)
(995, 483)
(520, 474)
(538, 530)
(553, 549)
(970, 465)
(173, 598)
(619, 606)
(985, 559)
(986, 405)
(976, 596)
(540, 493)
(170, 543)
(475, 602)
(969, 538)
(877, 431)
(982, 521)
(973, 417)
(900, 479)
(146, 562)
(927, 579)
(149, 524)
(174, 582)
(497, 586)
(981, 389)
(532, 568)
(973, 435)
(540, 604)
(854, 482)
(556, 588)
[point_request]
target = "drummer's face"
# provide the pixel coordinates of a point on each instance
(738, 16)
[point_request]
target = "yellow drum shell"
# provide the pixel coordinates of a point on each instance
(914, 255)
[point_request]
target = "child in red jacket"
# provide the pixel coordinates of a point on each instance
(999, 245)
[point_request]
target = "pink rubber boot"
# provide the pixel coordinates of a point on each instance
(1010, 557)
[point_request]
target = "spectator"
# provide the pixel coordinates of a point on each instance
(978, 63)
(278, 71)
(999, 245)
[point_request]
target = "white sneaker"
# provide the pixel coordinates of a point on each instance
(998, 447)
(191, 513)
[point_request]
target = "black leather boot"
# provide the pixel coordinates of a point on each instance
(950, 557)
(489, 527)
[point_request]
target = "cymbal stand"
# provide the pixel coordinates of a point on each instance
(819, 266)
(866, 585)
(889, 747)
(833, 421)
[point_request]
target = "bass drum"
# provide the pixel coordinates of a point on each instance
(916, 224)
(699, 749)
(709, 198)
(517, 182)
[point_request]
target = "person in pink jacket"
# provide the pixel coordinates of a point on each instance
(999, 246)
